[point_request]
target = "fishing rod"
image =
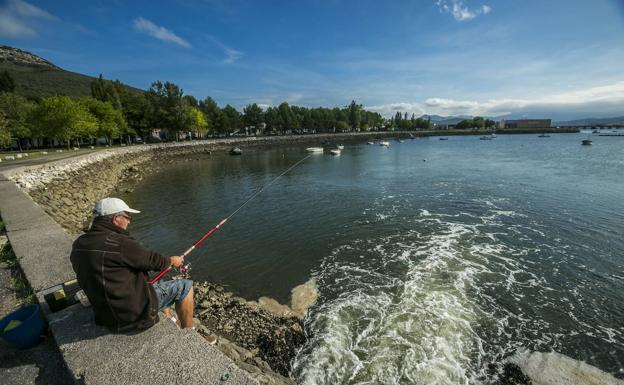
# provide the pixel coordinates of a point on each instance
(186, 267)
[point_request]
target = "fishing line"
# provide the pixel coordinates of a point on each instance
(186, 267)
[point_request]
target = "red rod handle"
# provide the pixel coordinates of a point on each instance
(188, 251)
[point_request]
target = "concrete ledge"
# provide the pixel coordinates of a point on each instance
(41, 245)
(162, 354)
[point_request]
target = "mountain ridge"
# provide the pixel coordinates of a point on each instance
(36, 77)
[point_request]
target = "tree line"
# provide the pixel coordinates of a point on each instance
(115, 111)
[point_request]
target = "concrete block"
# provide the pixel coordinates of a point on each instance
(41, 244)
(161, 355)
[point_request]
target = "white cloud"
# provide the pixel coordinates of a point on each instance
(160, 33)
(392, 108)
(16, 19)
(460, 10)
(608, 99)
(232, 55)
(25, 9)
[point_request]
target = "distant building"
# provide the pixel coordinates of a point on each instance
(524, 123)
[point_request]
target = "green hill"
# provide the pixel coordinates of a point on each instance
(36, 77)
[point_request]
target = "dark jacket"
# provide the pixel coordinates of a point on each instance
(112, 270)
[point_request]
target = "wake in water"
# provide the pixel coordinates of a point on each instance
(437, 303)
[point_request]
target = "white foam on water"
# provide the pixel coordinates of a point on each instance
(388, 328)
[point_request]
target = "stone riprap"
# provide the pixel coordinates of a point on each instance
(258, 337)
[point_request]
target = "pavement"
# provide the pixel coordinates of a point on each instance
(161, 355)
(39, 160)
(41, 245)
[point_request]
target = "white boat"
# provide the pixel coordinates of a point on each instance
(314, 149)
(384, 143)
(340, 146)
(334, 151)
(370, 142)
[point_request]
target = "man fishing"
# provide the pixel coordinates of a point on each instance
(112, 269)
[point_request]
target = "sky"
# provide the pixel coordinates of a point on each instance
(562, 59)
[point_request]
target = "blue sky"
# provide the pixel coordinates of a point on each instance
(560, 59)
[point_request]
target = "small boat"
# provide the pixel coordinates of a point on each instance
(595, 132)
(370, 142)
(236, 151)
(401, 141)
(334, 151)
(586, 142)
(443, 138)
(314, 149)
(340, 146)
(543, 136)
(485, 137)
(384, 143)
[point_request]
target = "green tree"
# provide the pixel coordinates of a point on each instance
(341, 125)
(273, 120)
(111, 123)
(61, 118)
(198, 123)
(6, 82)
(18, 113)
(5, 134)
(167, 108)
(354, 111)
(478, 122)
(464, 124)
(135, 111)
(234, 119)
(286, 116)
(252, 115)
(106, 91)
(190, 101)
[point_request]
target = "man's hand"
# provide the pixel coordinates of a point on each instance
(176, 260)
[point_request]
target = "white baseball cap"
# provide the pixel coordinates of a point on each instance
(109, 206)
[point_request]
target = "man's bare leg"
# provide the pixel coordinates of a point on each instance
(185, 310)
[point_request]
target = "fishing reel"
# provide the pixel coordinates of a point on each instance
(185, 268)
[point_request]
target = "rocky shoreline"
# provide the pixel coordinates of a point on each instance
(259, 341)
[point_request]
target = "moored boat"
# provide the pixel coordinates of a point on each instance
(384, 143)
(334, 151)
(236, 151)
(314, 149)
(586, 142)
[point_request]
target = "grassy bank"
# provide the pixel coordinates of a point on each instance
(24, 294)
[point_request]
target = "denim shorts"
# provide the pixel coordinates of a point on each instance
(170, 292)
